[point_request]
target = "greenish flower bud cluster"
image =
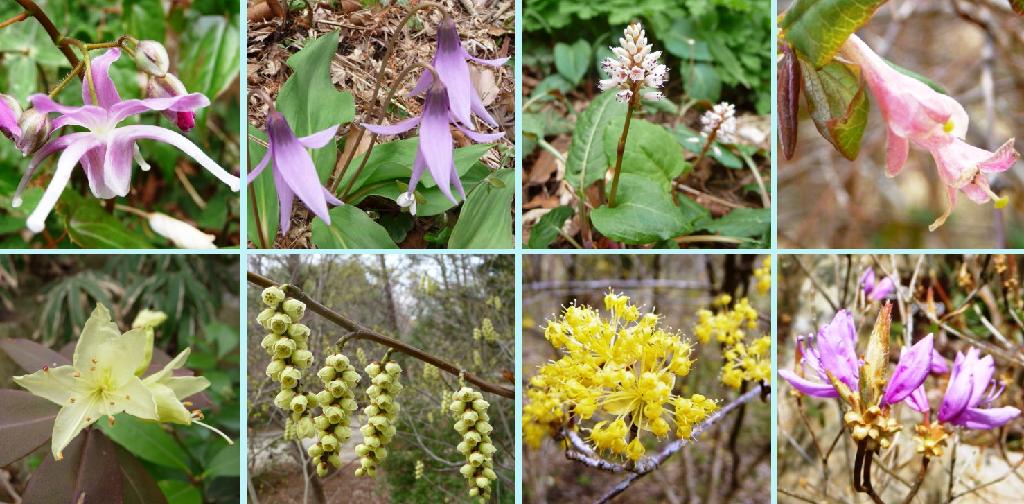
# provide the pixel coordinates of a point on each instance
(337, 401)
(381, 413)
(287, 344)
(469, 409)
(485, 332)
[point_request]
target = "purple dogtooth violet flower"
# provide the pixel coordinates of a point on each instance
(435, 151)
(873, 291)
(106, 150)
(294, 172)
(451, 67)
(834, 349)
(971, 392)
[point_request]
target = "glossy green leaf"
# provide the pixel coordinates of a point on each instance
(644, 213)
(26, 423)
(350, 228)
(651, 151)
(587, 162)
(430, 202)
(393, 161)
(263, 192)
(702, 82)
(144, 19)
(551, 84)
(817, 28)
(89, 225)
(838, 105)
(210, 61)
(572, 61)
(547, 229)
(485, 221)
(21, 77)
(742, 223)
(146, 440)
(225, 463)
(180, 492)
(309, 100)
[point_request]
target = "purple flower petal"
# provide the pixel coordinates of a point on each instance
(867, 280)
(51, 147)
(456, 183)
(837, 351)
(262, 164)
(938, 365)
(392, 129)
(477, 107)
(479, 137)
(436, 138)
(453, 71)
(910, 372)
(89, 116)
(489, 62)
(182, 103)
(296, 166)
(65, 165)
(331, 200)
(320, 138)
(92, 164)
(988, 418)
(418, 166)
(958, 392)
(8, 121)
(183, 144)
(106, 93)
(918, 399)
(117, 165)
(814, 389)
(422, 84)
(285, 198)
(981, 376)
(883, 289)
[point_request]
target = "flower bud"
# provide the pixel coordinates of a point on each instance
(302, 359)
(274, 368)
(470, 417)
(169, 86)
(487, 449)
(326, 374)
(284, 398)
(483, 482)
(392, 368)
(35, 130)
(350, 377)
(315, 450)
(299, 404)
(373, 369)
(467, 470)
(272, 296)
(10, 112)
(321, 470)
(299, 332)
(279, 324)
(294, 308)
(335, 461)
(283, 348)
(182, 234)
(362, 450)
(151, 58)
(480, 405)
(264, 316)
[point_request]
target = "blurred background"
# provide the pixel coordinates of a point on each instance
(968, 293)
(437, 303)
(48, 298)
(731, 462)
(202, 41)
(975, 50)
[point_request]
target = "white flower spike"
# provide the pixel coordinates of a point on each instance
(634, 66)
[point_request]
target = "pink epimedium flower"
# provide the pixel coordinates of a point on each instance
(450, 62)
(106, 150)
(873, 291)
(294, 172)
(833, 350)
(915, 113)
(434, 152)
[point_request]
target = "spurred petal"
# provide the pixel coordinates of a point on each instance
(57, 144)
(68, 159)
(392, 129)
(183, 144)
(117, 165)
(106, 93)
(988, 418)
(53, 384)
(320, 138)
(811, 388)
(182, 103)
(910, 372)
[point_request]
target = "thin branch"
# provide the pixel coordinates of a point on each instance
(50, 28)
(360, 332)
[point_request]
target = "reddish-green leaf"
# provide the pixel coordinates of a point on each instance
(88, 474)
(26, 422)
(837, 101)
(31, 356)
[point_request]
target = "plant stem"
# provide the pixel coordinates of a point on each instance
(16, 19)
(920, 479)
(75, 72)
(50, 29)
(585, 233)
(256, 212)
(360, 332)
(633, 100)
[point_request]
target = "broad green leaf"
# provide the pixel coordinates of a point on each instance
(837, 102)
(21, 77)
(146, 440)
(210, 62)
(702, 82)
(546, 230)
(686, 42)
(89, 225)
(651, 151)
(430, 201)
(223, 336)
(551, 83)
(225, 463)
(644, 213)
(144, 19)
(393, 161)
(818, 28)
(309, 100)
(572, 61)
(180, 492)
(263, 194)
(26, 422)
(485, 221)
(587, 162)
(742, 223)
(350, 228)
(693, 142)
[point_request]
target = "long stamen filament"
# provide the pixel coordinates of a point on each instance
(215, 430)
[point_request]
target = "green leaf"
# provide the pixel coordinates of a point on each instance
(210, 62)
(350, 228)
(180, 492)
(144, 19)
(650, 151)
(21, 77)
(393, 161)
(644, 213)
(263, 194)
(838, 105)
(910, 73)
(146, 440)
(485, 221)
(224, 336)
(90, 226)
(742, 223)
(587, 162)
(818, 28)
(572, 61)
(225, 463)
(702, 82)
(693, 142)
(309, 100)
(551, 83)
(686, 42)
(547, 229)
(430, 202)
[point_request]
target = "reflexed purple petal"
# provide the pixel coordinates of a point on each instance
(320, 138)
(392, 129)
(295, 165)
(68, 159)
(987, 418)
(867, 280)
(814, 389)
(938, 365)
(477, 107)
(958, 392)
(418, 166)
(105, 90)
(262, 164)
(456, 183)
(478, 137)
(918, 399)
(117, 165)
(883, 289)
(491, 62)
(981, 376)
(911, 370)
(423, 83)
(436, 139)
(181, 103)
(453, 70)
(331, 200)
(183, 144)
(89, 116)
(285, 198)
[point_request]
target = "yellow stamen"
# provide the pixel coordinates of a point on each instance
(1000, 202)
(948, 126)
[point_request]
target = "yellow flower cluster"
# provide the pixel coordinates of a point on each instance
(486, 331)
(621, 370)
(743, 362)
(763, 275)
(750, 363)
(729, 325)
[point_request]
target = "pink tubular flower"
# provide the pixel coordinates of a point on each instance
(106, 150)
(834, 350)
(971, 389)
(875, 292)
(435, 141)
(294, 172)
(933, 121)
(450, 61)
(910, 372)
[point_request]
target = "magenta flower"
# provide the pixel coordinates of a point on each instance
(294, 172)
(9, 113)
(435, 145)
(970, 391)
(938, 365)
(875, 292)
(834, 350)
(450, 62)
(914, 113)
(105, 150)
(910, 371)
